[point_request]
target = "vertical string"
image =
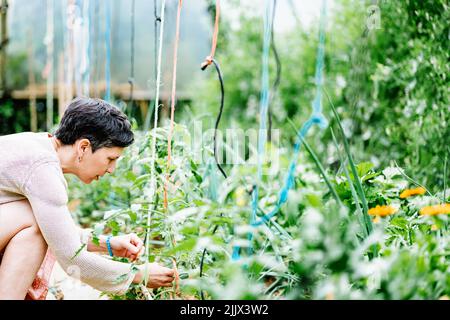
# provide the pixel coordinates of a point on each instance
(153, 184)
(317, 104)
(264, 103)
(131, 78)
(108, 50)
(157, 19)
(70, 49)
(278, 71)
(78, 46)
(155, 30)
(87, 48)
(94, 47)
(169, 144)
(172, 107)
(263, 110)
(209, 59)
(49, 40)
(316, 118)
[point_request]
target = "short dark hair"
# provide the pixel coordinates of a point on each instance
(103, 124)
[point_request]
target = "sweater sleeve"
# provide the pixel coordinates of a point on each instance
(46, 192)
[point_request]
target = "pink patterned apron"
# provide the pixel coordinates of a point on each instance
(39, 288)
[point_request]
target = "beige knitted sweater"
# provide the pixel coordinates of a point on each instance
(30, 168)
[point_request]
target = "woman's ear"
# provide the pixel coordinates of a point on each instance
(83, 145)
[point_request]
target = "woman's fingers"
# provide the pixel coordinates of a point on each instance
(141, 251)
(128, 246)
(138, 248)
(132, 257)
(134, 239)
(160, 276)
(167, 272)
(168, 279)
(133, 244)
(166, 282)
(170, 273)
(161, 283)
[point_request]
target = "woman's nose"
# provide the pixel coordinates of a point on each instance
(111, 168)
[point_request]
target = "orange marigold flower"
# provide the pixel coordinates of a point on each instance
(436, 209)
(382, 211)
(412, 192)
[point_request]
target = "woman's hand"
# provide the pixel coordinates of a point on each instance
(127, 246)
(157, 275)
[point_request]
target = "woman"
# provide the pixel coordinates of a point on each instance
(33, 202)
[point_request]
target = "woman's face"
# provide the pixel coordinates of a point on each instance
(94, 165)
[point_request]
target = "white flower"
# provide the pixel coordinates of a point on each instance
(390, 172)
(422, 201)
(340, 81)
(312, 217)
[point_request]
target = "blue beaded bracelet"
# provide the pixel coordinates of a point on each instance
(108, 245)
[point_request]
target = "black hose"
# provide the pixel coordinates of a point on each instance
(216, 126)
(219, 116)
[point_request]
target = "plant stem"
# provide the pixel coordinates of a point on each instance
(351, 186)
(358, 184)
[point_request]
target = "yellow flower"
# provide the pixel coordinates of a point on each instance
(412, 192)
(240, 191)
(434, 227)
(382, 211)
(241, 197)
(436, 209)
(241, 201)
(376, 219)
